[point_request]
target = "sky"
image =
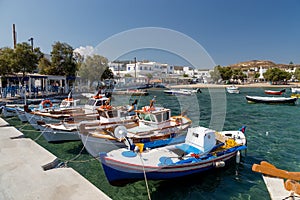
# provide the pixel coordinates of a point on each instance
(229, 31)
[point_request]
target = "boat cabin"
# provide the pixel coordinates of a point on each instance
(159, 117)
(93, 103)
(112, 115)
(66, 103)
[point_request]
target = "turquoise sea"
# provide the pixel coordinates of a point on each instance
(272, 133)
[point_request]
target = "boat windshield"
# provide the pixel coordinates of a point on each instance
(112, 113)
(91, 102)
(100, 103)
(166, 116)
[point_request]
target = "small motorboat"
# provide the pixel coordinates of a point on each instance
(274, 92)
(295, 90)
(186, 92)
(232, 89)
(202, 150)
(132, 92)
(271, 100)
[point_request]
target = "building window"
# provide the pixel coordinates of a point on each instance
(128, 69)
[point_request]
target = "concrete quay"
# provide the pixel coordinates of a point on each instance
(25, 172)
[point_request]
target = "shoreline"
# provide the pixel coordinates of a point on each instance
(251, 85)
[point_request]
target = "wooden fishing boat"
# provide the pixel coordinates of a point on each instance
(153, 124)
(69, 130)
(271, 100)
(281, 184)
(274, 92)
(232, 89)
(55, 115)
(202, 150)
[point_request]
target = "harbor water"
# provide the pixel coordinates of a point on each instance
(272, 133)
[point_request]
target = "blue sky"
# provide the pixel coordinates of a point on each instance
(230, 31)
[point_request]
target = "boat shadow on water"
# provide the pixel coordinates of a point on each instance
(206, 182)
(77, 149)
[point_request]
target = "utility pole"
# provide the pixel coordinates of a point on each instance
(31, 41)
(135, 69)
(14, 36)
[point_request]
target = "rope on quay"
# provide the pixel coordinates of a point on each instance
(64, 163)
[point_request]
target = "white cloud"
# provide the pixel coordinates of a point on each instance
(85, 51)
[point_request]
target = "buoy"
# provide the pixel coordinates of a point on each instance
(238, 157)
(220, 164)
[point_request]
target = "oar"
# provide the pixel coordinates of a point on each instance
(291, 185)
(271, 170)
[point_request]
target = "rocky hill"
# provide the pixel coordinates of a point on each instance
(261, 63)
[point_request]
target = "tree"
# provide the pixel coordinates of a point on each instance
(276, 74)
(6, 61)
(297, 73)
(25, 60)
(215, 74)
(149, 77)
(238, 74)
(44, 66)
(225, 72)
(62, 60)
(95, 68)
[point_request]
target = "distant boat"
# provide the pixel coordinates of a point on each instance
(186, 92)
(274, 92)
(272, 100)
(233, 89)
(202, 150)
(295, 90)
(132, 92)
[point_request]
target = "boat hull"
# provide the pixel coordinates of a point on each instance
(272, 92)
(33, 120)
(9, 112)
(96, 145)
(58, 136)
(120, 173)
(21, 115)
(271, 100)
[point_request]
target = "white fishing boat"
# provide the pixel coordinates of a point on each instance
(58, 132)
(55, 115)
(232, 89)
(156, 127)
(295, 90)
(186, 92)
(68, 130)
(271, 100)
(202, 150)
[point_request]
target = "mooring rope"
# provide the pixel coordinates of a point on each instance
(145, 177)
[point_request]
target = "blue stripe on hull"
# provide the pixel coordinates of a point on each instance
(121, 174)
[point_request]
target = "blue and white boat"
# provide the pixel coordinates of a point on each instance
(203, 149)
